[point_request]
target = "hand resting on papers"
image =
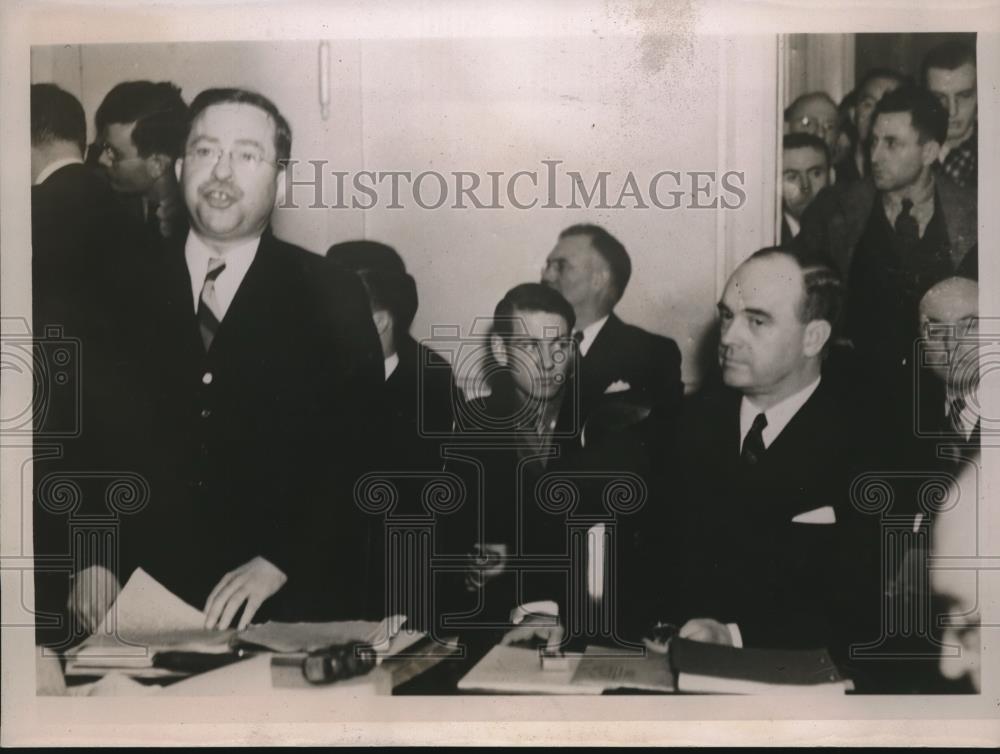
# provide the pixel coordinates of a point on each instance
(248, 586)
(92, 592)
(536, 629)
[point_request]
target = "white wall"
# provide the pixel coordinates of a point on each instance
(506, 104)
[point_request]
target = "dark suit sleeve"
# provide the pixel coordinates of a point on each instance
(324, 553)
(667, 386)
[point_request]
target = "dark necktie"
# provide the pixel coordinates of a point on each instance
(578, 338)
(209, 314)
(753, 444)
(906, 224)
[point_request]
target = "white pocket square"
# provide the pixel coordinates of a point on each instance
(618, 386)
(824, 515)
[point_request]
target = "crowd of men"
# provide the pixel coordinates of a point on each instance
(252, 388)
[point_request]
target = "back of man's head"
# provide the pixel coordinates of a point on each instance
(947, 57)
(529, 297)
(928, 118)
(156, 108)
(611, 250)
(394, 292)
(56, 115)
(822, 287)
(363, 254)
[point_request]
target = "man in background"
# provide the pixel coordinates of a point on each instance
(141, 127)
(805, 171)
(85, 252)
(876, 82)
(949, 73)
(591, 269)
(816, 113)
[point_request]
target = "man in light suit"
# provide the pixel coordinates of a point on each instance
(264, 368)
(591, 269)
(765, 547)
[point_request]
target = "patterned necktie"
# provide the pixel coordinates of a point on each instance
(906, 224)
(955, 416)
(753, 444)
(209, 314)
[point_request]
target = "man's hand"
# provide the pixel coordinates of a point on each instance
(249, 585)
(536, 628)
(92, 592)
(490, 562)
(707, 630)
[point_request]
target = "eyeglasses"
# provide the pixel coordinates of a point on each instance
(244, 159)
(113, 155)
(814, 125)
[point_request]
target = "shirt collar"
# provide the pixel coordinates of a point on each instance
(590, 333)
(54, 166)
(777, 415)
(238, 258)
(793, 224)
(391, 363)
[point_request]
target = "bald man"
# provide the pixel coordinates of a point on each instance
(949, 324)
(815, 113)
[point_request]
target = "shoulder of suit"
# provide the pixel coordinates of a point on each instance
(647, 338)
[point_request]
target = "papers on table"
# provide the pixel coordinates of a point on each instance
(619, 668)
(308, 637)
(145, 619)
(515, 670)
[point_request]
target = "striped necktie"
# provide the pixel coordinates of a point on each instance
(209, 314)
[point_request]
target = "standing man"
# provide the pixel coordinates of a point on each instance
(141, 127)
(949, 73)
(591, 269)
(873, 86)
(264, 366)
(815, 113)
(83, 248)
(805, 171)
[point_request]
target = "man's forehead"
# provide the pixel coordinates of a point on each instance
(118, 134)
(540, 324)
(895, 123)
(878, 86)
(803, 156)
(769, 283)
(232, 120)
(941, 79)
(814, 106)
(951, 301)
(574, 247)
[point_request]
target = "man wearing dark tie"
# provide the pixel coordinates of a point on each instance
(264, 366)
(591, 269)
(765, 549)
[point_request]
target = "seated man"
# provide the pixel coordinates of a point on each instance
(805, 171)
(949, 314)
(765, 548)
(508, 445)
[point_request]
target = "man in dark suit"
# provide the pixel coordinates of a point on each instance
(591, 269)
(805, 171)
(264, 367)
(84, 252)
(765, 549)
(141, 127)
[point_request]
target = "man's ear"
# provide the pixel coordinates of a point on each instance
(930, 151)
(179, 168)
(157, 165)
(817, 334)
(499, 349)
(279, 188)
(382, 320)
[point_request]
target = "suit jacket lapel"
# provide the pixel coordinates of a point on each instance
(254, 288)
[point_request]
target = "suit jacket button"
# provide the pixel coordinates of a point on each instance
(207, 378)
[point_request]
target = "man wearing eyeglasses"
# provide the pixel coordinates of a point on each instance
(264, 364)
(815, 113)
(141, 127)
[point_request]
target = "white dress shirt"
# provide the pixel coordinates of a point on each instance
(778, 415)
(793, 225)
(968, 418)
(238, 260)
(54, 166)
(391, 363)
(590, 333)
